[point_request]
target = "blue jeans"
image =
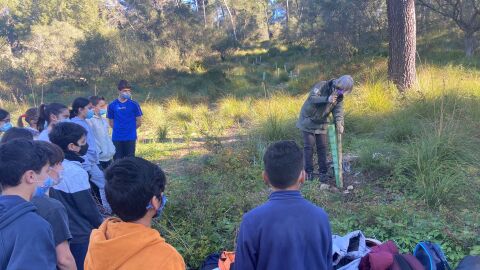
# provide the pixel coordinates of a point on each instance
(320, 141)
(79, 252)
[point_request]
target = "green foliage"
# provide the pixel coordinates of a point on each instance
(237, 110)
(275, 118)
(376, 157)
(46, 58)
(212, 201)
(162, 133)
(94, 64)
(434, 167)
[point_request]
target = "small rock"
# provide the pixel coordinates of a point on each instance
(324, 186)
(350, 188)
(346, 192)
(334, 189)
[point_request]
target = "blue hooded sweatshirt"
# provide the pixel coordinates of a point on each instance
(26, 239)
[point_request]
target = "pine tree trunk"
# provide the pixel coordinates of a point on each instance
(402, 45)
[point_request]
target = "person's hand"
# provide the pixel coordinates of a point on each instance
(340, 128)
(332, 98)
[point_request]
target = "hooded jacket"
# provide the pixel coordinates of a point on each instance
(26, 239)
(316, 109)
(74, 193)
(125, 245)
(91, 157)
(105, 147)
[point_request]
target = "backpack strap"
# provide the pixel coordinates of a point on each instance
(437, 249)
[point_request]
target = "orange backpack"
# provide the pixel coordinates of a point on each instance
(227, 258)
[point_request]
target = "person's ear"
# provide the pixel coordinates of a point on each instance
(29, 177)
(53, 118)
(301, 177)
(266, 180)
(155, 202)
(72, 147)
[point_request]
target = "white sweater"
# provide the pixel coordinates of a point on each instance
(105, 147)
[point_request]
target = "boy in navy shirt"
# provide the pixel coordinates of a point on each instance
(125, 116)
(286, 232)
(26, 239)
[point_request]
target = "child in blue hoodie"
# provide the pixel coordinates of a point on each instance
(26, 239)
(286, 232)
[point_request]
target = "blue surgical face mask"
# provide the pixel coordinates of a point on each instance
(6, 127)
(159, 210)
(66, 120)
(103, 111)
(42, 190)
(126, 95)
(90, 114)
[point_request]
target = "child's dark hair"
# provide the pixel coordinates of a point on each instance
(3, 114)
(123, 84)
(46, 110)
(16, 133)
(130, 185)
(29, 115)
(95, 100)
(65, 133)
(54, 152)
(283, 163)
(18, 157)
(77, 104)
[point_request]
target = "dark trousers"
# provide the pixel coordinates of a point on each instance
(124, 149)
(320, 140)
(79, 252)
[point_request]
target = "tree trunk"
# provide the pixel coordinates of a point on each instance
(234, 28)
(402, 43)
(470, 43)
(267, 20)
(287, 19)
(231, 20)
(204, 13)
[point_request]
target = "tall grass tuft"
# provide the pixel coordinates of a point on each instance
(275, 117)
(434, 165)
(368, 104)
(239, 111)
(154, 118)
